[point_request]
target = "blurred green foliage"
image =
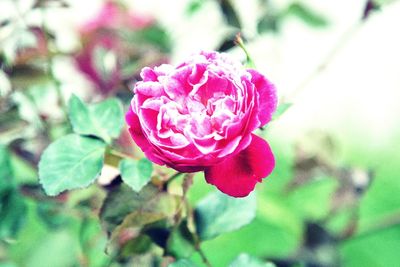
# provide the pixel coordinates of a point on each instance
(318, 207)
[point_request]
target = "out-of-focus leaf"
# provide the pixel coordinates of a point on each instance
(377, 249)
(194, 6)
(93, 241)
(381, 202)
(12, 213)
(136, 173)
(121, 201)
(218, 213)
(183, 263)
(104, 119)
(338, 223)
(282, 108)
(180, 243)
(6, 175)
(24, 173)
(71, 162)
(51, 214)
(229, 13)
(307, 15)
(12, 205)
(283, 173)
(57, 249)
(276, 209)
(312, 201)
(261, 238)
(24, 76)
(268, 23)
(249, 261)
(7, 264)
(154, 35)
(159, 207)
(134, 235)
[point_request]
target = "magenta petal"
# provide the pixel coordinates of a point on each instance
(267, 93)
(238, 175)
(137, 135)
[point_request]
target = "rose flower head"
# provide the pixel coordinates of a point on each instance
(200, 115)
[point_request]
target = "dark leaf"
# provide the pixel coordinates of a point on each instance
(229, 13)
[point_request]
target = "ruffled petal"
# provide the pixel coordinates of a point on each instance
(137, 135)
(267, 93)
(238, 175)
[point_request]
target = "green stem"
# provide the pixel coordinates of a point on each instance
(173, 177)
(113, 157)
(201, 252)
(119, 154)
(240, 43)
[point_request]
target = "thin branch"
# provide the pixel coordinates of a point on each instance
(201, 252)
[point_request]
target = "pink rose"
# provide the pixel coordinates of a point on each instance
(200, 115)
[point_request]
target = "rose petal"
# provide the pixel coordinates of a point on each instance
(149, 88)
(238, 175)
(267, 93)
(137, 135)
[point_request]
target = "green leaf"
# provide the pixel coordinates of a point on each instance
(12, 204)
(269, 22)
(12, 213)
(249, 261)
(180, 243)
(146, 214)
(71, 162)
(58, 248)
(218, 213)
(104, 119)
(136, 173)
(122, 201)
(307, 15)
(6, 175)
(194, 6)
(24, 173)
(182, 263)
(312, 201)
(378, 249)
(381, 202)
(229, 13)
(154, 35)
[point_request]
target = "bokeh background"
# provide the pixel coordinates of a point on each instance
(334, 197)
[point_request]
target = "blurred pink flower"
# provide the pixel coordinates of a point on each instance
(200, 115)
(104, 48)
(114, 16)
